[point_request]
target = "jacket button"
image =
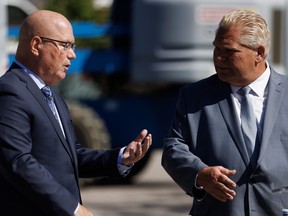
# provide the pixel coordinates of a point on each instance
(251, 181)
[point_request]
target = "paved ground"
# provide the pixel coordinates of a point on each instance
(152, 194)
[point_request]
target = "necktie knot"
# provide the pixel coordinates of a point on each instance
(49, 98)
(47, 91)
(244, 90)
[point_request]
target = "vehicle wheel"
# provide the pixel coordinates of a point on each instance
(90, 131)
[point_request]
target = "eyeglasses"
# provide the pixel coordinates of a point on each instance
(66, 45)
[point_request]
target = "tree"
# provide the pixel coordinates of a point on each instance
(73, 9)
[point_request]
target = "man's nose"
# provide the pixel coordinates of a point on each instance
(71, 54)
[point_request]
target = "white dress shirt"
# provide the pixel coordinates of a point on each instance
(258, 96)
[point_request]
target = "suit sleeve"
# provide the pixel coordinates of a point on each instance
(91, 162)
(178, 158)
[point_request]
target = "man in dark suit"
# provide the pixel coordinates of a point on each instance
(209, 153)
(40, 159)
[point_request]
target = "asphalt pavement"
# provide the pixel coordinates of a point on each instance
(152, 193)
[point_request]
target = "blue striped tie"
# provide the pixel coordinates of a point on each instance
(49, 98)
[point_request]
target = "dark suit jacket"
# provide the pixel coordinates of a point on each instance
(206, 132)
(38, 165)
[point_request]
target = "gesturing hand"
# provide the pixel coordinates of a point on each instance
(215, 181)
(137, 148)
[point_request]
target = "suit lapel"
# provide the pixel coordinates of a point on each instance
(228, 111)
(36, 92)
(65, 120)
(275, 97)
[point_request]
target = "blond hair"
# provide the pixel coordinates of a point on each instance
(255, 31)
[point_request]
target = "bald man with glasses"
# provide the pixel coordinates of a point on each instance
(40, 158)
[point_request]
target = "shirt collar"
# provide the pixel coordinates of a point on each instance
(259, 85)
(39, 82)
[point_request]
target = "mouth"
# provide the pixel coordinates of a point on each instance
(66, 67)
(219, 68)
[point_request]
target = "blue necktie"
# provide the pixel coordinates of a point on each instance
(49, 98)
(248, 120)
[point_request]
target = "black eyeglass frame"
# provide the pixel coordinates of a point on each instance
(66, 45)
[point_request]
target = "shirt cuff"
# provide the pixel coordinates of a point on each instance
(195, 185)
(198, 191)
(123, 169)
(75, 212)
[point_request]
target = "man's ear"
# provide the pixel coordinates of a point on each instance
(35, 45)
(260, 54)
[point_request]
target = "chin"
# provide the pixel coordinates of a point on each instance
(223, 78)
(62, 76)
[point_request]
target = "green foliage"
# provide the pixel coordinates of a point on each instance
(73, 9)
(82, 10)
(79, 10)
(96, 43)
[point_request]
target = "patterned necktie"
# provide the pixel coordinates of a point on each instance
(248, 120)
(49, 98)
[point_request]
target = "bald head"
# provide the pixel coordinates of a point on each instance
(43, 37)
(41, 23)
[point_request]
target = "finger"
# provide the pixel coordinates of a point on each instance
(227, 181)
(139, 151)
(227, 171)
(222, 195)
(225, 177)
(149, 137)
(141, 136)
(147, 143)
(226, 192)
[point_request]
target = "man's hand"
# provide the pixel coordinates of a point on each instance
(82, 211)
(215, 181)
(136, 150)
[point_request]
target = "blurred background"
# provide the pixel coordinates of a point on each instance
(132, 58)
